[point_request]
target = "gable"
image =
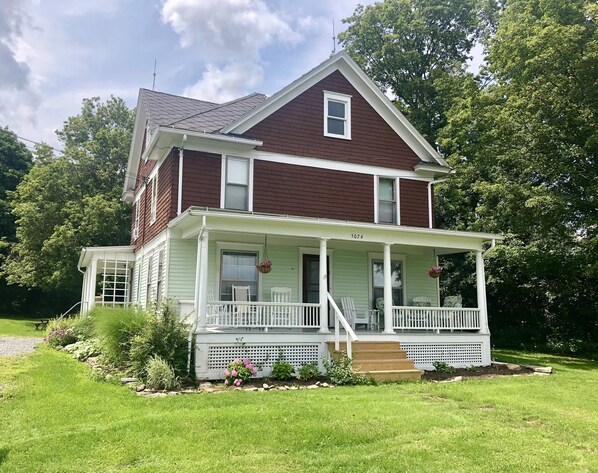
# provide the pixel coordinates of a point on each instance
(297, 129)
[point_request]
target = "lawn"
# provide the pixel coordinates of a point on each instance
(19, 326)
(55, 418)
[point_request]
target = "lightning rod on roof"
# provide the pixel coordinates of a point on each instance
(154, 81)
(333, 40)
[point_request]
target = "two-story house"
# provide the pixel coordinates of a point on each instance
(284, 224)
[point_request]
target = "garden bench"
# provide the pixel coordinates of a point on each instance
(41, 324)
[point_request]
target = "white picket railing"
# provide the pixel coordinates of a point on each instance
(263, 314)
(435, 318)
(339, 319)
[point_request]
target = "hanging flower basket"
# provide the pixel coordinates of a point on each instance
(264, 267)
(434, 271)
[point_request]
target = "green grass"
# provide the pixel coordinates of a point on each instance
(54, 418)
(19, 326)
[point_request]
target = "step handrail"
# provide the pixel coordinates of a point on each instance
(73, 306)
(349, 333)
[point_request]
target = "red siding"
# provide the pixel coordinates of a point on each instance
(414, 203)
(201, 179)
(297, 190)
(297, 129)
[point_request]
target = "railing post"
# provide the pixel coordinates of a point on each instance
(323, 287)
(387, 290)
(481, 291)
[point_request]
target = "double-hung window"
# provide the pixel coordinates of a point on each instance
(154, 202)
(238, 268)
(137, 218)
(387, 200)
(237, 174)
(378, 283)
(337, 115)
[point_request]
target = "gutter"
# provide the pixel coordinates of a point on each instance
(180, 189)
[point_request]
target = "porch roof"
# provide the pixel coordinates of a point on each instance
(190, 223)
(120, 253)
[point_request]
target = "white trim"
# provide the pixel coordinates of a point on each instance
(397, 190)
(137, 217)
(154, 199)
(375, 198)
(398, 199)
(346, 101)
(231, 246)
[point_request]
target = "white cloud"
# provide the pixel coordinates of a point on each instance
(226, 29)
(221, 84)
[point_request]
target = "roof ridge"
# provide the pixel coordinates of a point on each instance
(177, 96)
(217, 107)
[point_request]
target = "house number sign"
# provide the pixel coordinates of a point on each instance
(356, 236)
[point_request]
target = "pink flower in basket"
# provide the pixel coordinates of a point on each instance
(434, 271)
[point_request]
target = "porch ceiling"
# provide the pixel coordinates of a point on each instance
(301, 229)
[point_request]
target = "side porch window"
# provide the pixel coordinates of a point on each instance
(378, 282)
(238, 268)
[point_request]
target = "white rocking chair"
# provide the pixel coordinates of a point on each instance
(351, 315)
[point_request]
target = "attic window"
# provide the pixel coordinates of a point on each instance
(337, 115)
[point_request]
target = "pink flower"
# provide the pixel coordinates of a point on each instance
(249, 367)
(234, 373)
(226, 382)
(226, 372)
(254, 371)
(238, 382)
(237, 361)
(246, 362)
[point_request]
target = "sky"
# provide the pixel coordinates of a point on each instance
(54, 53)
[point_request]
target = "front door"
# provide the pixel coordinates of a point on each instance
(311, 279)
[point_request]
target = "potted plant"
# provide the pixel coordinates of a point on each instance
(264, 267)
(434, 271)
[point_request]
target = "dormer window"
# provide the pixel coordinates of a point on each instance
(337, 115)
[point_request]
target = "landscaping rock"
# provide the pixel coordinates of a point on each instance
(265, 386)
(540, 369)
(282, 388)
(128, 380)
(313, 386)
(251, 389)
(325, 385)
(140, 387)
(456, 379)
(513, 367)
(205, 386)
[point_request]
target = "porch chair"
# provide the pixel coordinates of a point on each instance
(453, 301)
(242, 311)
(423, 319)
(281, 315)
(214, 310)
(351, 315)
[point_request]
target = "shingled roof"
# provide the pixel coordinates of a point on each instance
(195, 115)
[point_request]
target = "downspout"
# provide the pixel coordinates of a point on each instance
(180, 189)
(430, 184)
(492, 246)
(196, 318)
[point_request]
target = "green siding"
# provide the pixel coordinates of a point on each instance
(285, 272)
(417, 281)
(181, 271)
(350, 278)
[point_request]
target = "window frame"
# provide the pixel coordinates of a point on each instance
(149, 280)
(137, 219)
(154, 199)
(224, 181)
(160, 277)
(395, 258)
(340, 98)
(238, 248)
(397, 200)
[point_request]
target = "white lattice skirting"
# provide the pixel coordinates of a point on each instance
(460, 355)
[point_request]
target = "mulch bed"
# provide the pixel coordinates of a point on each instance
(479, 372)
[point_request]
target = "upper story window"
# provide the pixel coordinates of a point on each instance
(154, 201)
(236, 185)
(337, 115)
(137, 219)
(387, 201)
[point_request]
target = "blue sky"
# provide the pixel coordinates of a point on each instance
(54, 53)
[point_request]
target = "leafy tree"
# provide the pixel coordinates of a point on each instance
(417, 50)
(525, 147)
(71, 201)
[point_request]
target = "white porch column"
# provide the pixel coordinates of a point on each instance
(91, 281)
(481, 290)
(323, 287)
(201, 281)
(84, 292)
(387, 290)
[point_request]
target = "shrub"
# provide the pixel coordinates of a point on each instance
(164, 335)
(341, 372)
(160, 375)
(308, 371)
(83, 324)
(116, 328)
(282, 370)
(60, 333)
(238, 372)
(84, 349)
(443, 367)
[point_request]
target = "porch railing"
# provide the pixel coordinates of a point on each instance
(339, 319)
(263, 314)
(435, 318)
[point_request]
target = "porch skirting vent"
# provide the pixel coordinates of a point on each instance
(455, 354)
(219, 356)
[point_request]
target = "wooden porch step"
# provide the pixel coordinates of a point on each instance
(393, 375)
(382, 361)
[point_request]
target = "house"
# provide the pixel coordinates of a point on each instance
(333, 186)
